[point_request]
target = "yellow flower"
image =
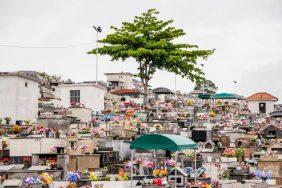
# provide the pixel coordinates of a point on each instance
(156, 172)
(92, 177)
(212, 114)
(163, 172)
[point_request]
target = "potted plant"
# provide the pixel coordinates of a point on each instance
(16, 129)
(239, 153)
(6, 160)
(225, 175)
(26, 161)
(27, 122)
(229, 155)
(8, 119)
(1, 121)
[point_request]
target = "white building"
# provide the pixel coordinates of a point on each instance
(122, 80)
(261, 103)
(88, 95)
(19, 93)
(31, 145)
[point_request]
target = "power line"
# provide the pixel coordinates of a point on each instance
(65, 46)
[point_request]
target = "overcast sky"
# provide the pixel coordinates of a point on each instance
(247, 36)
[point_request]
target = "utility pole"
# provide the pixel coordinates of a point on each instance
(235, 86)
(203, 87)
(98, 30)
(203, 84)
(175, 85)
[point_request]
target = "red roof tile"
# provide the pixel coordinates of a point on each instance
(126, 92)
(262, 96)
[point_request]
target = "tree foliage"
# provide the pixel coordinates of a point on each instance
(208, 86)
(151, 42)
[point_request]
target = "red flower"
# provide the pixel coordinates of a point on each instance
(158, 181)
(26, 159)
(5, 159)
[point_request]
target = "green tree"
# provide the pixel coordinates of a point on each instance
(151, 42)
(208, 86)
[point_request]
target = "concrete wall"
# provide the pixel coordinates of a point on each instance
(254, 106)
(125, 78)
(16, 100)
(122, 147)
(84, 162)
(28, 146)
(83, 114)
(90, 95)
(60, 124)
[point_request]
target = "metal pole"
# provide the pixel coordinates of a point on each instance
(97, 56)
(175, 169)
(131, 169)
(155, 161)
(175, 84)
(195, 160)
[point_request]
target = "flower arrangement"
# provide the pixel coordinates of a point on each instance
(92, 177)
(52, 163)
(229, 152)
(218, 103)
(5, 160)
(53, 148)
(149, 164)
(263, 174)
(32, 180)
(16, 128)
(123, 175)
(7, 119)
(73, 176)
(170, 163)
(240, 153)
(147, 181)
(27, 122)
(46, 178)
(84, 130)
(156, 172)
(160, 172)
(26, 159)
(155, 181)
(212, 113)
(190, 102)
(127, 166)
(225, 175)
(189, 153)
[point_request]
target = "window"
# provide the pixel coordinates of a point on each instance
(74, 96)
(25, 84)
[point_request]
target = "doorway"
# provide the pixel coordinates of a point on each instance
(262, 108)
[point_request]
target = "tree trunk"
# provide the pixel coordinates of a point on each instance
(145, 86)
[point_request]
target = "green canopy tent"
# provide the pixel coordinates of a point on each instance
(204, 96)
(163, 141)
(226, 96)
(169, 142)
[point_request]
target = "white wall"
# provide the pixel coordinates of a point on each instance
(16, 100)
(125, 78)
(28, 146)
(254, 106)
(83, 114)
(90, 95)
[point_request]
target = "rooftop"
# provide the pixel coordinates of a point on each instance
(119, 73)
(262, 96)
(126, 92)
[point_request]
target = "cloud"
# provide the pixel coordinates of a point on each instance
(266, 78)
